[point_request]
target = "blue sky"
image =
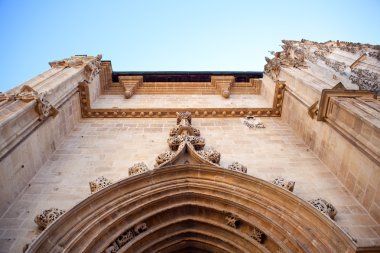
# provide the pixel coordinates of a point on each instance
(171, 34)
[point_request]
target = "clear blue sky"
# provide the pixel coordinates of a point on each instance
(171, 34)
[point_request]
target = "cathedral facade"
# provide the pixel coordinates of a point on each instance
(285, 160)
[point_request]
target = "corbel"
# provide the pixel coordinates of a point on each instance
(130, 84)
(223, 84)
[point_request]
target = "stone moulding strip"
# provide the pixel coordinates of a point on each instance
(88, 112)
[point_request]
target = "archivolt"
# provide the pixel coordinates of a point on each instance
(198, 208)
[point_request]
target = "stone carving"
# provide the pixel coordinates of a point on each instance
(27, 94)
(47, 217)
(223, 84)
(289, 57)
(113, 248)
(253, 122)
(210, 154)
(235, 166)
(164, 157)
(365, 79)
(232, 220)
(139, 228)
(257, 235)
(126, 237)
(137, 169)
(130, 84)
(91, 64)
(183, 116)
(288, 185)
(184, 134)
(196, 141)
(295, 52)
(324, 207)
(99, 183)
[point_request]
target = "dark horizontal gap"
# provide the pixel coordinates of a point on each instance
(187, 76)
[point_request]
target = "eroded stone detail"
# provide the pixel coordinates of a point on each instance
(232, 220)
(47, 217)
(289, 57)
(235, 166)
(295, 52)
(27, 94)
(185, 134)
(324, 207)
(365, 79)
(137, 169)
(91, 64)
(257, 235)
(164, 157)
(288, 185)
(126, 237)
(99, 183)
(253, 122)
(210, 154)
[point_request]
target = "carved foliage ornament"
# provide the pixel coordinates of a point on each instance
(47, 217)
(319, 52)
(126, 237)
(99, 183)
(185, 134)
(280, 181)
(91, 64)
(232, 220)
(289, 57)
(235, 166)
(137, 169)
(27, 94)
(253, 122)
(257, 235)
(324, 207)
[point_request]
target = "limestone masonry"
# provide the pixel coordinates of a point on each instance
(288, 160)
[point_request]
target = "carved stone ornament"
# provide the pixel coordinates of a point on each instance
(185, 139)
(257, 235)
(288, 185)
(137, 169)
(289, 57)
(91, 64)
(47, 217)
(324, 207)
(27, 94)
(235, 166)
(210, 154)
(295, 52)
(253, 122)
(126, 237)
(99, 183)
(232, 220)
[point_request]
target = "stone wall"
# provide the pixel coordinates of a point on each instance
(352, 167)
(22, 163)
(108, 147)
